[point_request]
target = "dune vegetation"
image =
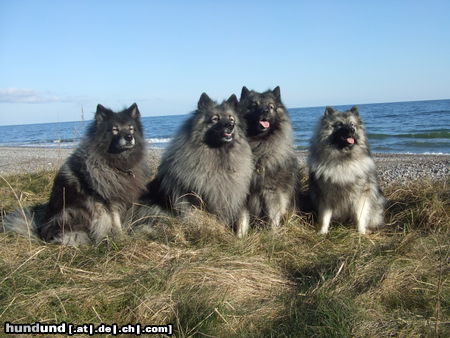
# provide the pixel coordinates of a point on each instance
(199, 277)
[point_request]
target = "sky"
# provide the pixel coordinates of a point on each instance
(58, 58)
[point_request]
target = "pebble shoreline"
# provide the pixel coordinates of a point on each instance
(392, 168)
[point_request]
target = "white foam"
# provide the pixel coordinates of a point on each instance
(426, 153)
(431, 153)
(158, 140)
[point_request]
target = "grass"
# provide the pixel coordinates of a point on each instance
(198, 276)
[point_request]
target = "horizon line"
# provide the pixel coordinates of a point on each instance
(288, 108)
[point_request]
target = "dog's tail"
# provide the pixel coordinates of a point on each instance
(141, 218)
(22, 221)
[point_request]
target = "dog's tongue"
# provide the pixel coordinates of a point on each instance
(265, 124)
(350, 140)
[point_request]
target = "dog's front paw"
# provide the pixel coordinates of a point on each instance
(363, 231)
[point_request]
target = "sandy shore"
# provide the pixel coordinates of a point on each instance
(398, 168)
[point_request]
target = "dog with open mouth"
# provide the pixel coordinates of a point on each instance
(269, 133)
(207, 165)
(342, 174)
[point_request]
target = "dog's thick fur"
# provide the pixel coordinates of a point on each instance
(343, 181)
(96, 184)
(208, 165)
(269, 133)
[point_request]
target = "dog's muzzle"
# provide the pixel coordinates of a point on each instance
(344, 137)
(127, 141)
(228, 132)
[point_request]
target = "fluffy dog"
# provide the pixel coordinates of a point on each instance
(96, 184)
(342, 176)
(208, 165)
(269, 133)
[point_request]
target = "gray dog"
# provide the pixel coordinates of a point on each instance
(269, 133)
(95, 186)
(207, 165)
(343, 181)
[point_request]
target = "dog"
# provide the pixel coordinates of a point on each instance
(269, 133)
(102, 178)
(342, 174)
(207, 165)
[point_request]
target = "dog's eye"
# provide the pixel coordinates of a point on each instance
(338, 125)
(115, 130)
(231, 118)
(254, 104)
(215, 119)
(271, 106)
(131, 129)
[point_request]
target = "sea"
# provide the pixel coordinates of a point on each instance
(417, 127)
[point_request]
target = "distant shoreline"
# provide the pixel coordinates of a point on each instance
(392, 168)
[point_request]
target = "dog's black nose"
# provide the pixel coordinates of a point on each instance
(229, 127)
(129, 137)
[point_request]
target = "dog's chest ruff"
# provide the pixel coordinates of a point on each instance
(344, 172)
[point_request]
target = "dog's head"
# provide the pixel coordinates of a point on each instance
(263, 112)
(342, 130)
(117, 132)
(218, 123)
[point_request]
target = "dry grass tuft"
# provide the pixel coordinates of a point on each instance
(199, 229)
(423, 205)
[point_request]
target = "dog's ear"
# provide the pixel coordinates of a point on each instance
(328, 111)
(354, 110)
(205, 102)
(233, 101)
(276, 93)
(244, 93)
(102, 113)
(133, 111)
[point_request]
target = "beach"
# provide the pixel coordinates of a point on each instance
(392, 168)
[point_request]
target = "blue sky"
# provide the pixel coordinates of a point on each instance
(57, 56)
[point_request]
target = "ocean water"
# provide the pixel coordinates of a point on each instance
(399, 127)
